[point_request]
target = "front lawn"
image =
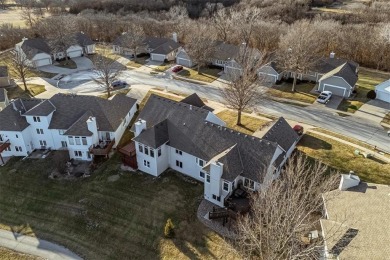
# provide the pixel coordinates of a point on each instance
(162, 68)
(302, 92)
(18, 91)
(8, 254)
(386, 119)
(341, 156)
(101, 219)
(69, 64)
(205, 74)
(249, 123)
(138, 63)
(367, 81)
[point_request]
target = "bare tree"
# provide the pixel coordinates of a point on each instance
(106, 69)
(134, 39)
(3, 4)
(284, 212)
(243, 89)
(29, 16)
(200, 46)
(20, 66)
(299, 49)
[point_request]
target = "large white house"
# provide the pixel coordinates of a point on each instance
(83, 125)
(187, 137)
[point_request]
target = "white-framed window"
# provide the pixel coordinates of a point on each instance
(152, 152)
(78, 142)
(42, 143)
(248, 183)
(179, 152)
(16, 136)
(226, 186)
(140, 148)
(201, 174)
(84, 140)
(217, 198)
(39, 131)
(71, 140)
(200, 162)
(78, 153)
(146, 150)
(37, 119)
(8, 149)
(1, 138)
(208, 178)
(159, 152)
(18, 149)
(147, 163)
(61, 132)
(179, 164)
(64, 144)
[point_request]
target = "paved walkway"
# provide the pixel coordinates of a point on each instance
(35, 246)
(374, 110)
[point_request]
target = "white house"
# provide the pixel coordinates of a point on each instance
(36, 51)
(190, 139)
(4, 101)
(86, 126)
(383, 91)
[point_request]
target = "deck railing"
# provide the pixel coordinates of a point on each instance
(97, 150)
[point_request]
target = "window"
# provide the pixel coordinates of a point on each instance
(249, 184)
(42, 142)
(225, 186)
(78, 142)
(124, 121)
(8, 149)
(208, 178)
(146, 150)
(151, 152)
(84, 140)
(159, 152)
(201, 174)
(215, 197)
(179, 152)
(179, 164)
(18, 148)
(1, 138)
(64, 144)
(61, 132)
(78, 153)
(37, 119)
(70, 139)
(147, 163)
(89, 155)
(39, 131)
(140, 148)
(200, 162)
(233, 185)
(16, 136)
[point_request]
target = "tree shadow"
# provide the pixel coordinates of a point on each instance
(314, 143)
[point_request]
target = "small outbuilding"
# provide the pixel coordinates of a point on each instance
(383, 91)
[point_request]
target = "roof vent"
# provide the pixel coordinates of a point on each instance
(245, 136)
(184, 123)
(231, 131)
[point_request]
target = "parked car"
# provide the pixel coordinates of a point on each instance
(177, 68)
(298, 129)
(324, 97)
(119, 83)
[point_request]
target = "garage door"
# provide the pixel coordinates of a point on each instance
(157, 57)
(338, 91)
(383, 95)
(184, 62)
(267, 78)
(42, 62)
(74, 54)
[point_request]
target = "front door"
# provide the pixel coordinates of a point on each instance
(108, 138)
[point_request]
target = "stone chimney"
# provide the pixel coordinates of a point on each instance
(140, 125)
(174, 37)
(92, 126)
(332, 55)
(348, 181)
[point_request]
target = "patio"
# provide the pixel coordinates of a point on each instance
(39, 154)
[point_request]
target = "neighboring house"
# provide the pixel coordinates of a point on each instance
(192, 140)
(160, 49)
(356, 224)
(271, 73)
(4, 101)
(183, 59)
(86, 126)
(36, 51)
(340, 81)
(89, 46)
(383, 91)
(4, 77)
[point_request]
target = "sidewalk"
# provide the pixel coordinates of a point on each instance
(35, 246)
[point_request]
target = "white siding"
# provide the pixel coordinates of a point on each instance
(20, 139)
(122, 127)
(214, 119)
(190, 165)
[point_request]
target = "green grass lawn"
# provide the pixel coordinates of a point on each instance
(367, 81)
(205, 74)
(69, 64)
(18, 91)
(302, 92)
(99, 219)
(342, 157)
(249, 123)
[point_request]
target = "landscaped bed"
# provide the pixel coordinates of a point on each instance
(101, 219)
(249, 123)
(341, 156)
(205, 74)
(302, 92)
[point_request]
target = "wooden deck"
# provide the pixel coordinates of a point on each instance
(103, 148)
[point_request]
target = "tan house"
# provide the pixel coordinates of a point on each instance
(4, 77)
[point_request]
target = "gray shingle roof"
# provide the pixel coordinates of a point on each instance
(3, 71)
(10, 117)
(282, 134)
(324, 65)
(225, 51)
(187, 130)
(80, 127)
(193, 100)
(344, 71)
(3, 94)
(158, 45)
(83, 39)
(31, 47)
(167, 47)
(44, 108)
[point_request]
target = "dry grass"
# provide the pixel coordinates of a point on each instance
(8, 254)
(138, 63)
(205, 74)
(302, 92)
(113, 92)
(150, 92)
(18, 91)
(249, 123)
(98, 219)
(162, 68)
(342, 157)
(386, 119)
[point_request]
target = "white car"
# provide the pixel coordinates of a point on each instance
(324, 97)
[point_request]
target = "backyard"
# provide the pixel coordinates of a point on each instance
(205, 74)
(98, 218)
(342, 157)
(367, 81)
(302, 92)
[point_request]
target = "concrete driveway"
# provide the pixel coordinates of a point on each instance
(374, 110)
(83, 63)
(334, 102)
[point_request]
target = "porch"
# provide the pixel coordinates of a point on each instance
(102, 148)
(238, 201)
